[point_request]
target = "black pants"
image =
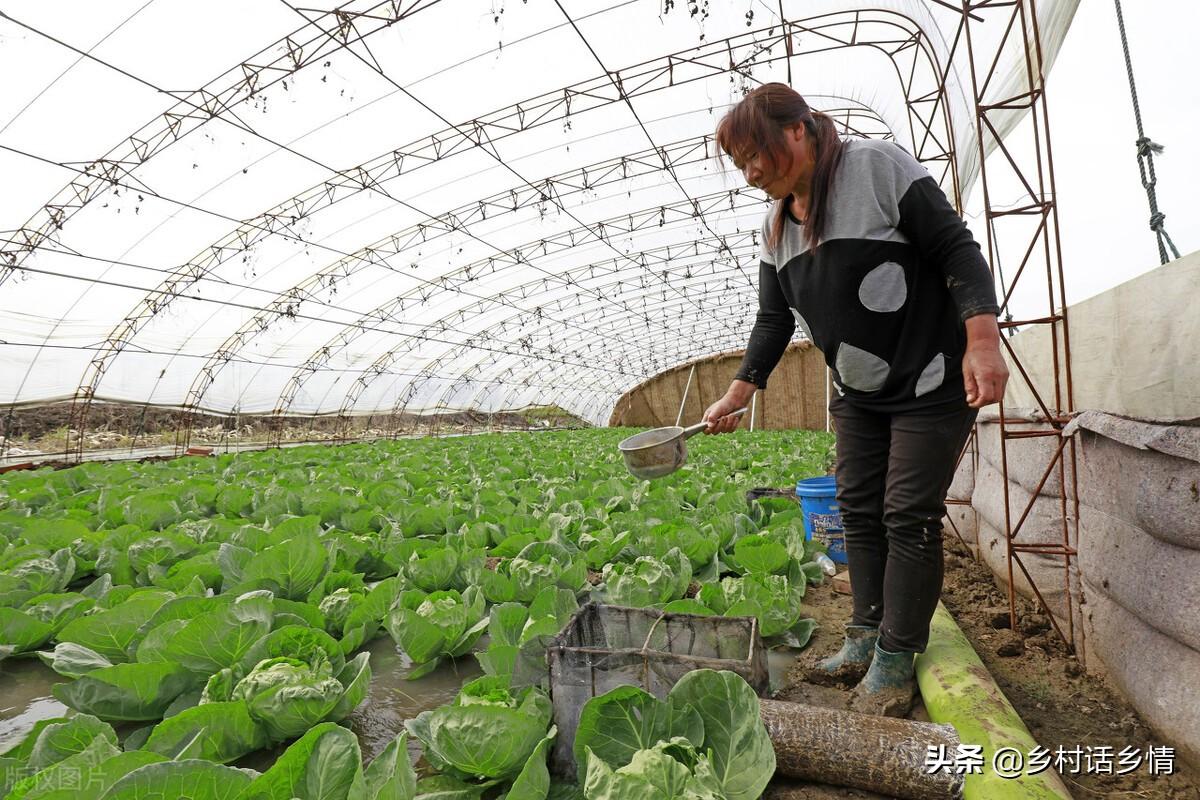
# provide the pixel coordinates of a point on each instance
(893, 472)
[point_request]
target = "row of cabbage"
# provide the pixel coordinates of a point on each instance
(214, 607)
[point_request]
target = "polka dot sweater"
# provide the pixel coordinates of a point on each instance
(885, 293)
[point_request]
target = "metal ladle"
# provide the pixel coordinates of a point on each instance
(655, 453)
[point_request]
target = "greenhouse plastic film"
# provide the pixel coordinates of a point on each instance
(412, 269)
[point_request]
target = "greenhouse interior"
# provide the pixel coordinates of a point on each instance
(351, 358)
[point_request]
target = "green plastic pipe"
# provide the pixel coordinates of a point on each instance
(958, 689)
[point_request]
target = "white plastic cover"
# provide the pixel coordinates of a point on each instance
(415, 205)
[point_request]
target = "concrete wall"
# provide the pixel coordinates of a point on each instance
(794, 397)
(1135, 581)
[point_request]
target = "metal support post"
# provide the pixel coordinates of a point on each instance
(683, 402)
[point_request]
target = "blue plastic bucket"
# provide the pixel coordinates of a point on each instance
(822, 519)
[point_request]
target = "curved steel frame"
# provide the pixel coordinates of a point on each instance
(931, 129)
(731, 55)
(593, 177)
(195, 109)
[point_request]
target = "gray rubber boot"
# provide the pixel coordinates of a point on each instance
(850, 663)
(888, 687)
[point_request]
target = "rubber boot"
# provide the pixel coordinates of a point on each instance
(888, 687)
(849, 664)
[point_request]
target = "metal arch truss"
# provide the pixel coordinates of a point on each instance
(337, 30)
(547, 335)
(539, 328)
(1028, 231)
(1026, 234)
(555, 190)
(906, 45)
(526, 299)
(854, 120)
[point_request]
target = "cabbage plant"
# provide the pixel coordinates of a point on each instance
(430, 627)
(288, 696)
(773, 599)
(648, 581)
(279, 699)
(290, 569)
(603, 546)
(699, 542)
(488, 732)
(705, 740)
(365, 620)
(538, 566)
(670, 770)
(26, 579)
(760, 554)
(337, 607)
(433, 569)
(518, 636)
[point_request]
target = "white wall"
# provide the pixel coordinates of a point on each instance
(1135, 349)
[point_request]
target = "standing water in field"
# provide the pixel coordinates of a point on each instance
(393, 698)
(25, 698)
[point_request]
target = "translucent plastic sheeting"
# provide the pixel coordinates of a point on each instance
(429, 205)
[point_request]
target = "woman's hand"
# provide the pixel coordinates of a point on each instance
(717, 415)
(984, 372)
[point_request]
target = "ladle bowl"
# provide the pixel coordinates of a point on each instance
(658, 452)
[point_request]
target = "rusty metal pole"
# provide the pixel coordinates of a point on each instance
(1036, 173)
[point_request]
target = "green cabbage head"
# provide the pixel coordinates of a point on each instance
(288, 696)
(487, 732)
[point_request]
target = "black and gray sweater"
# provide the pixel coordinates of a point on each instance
(885, 293)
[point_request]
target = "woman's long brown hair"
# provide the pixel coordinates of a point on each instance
(757, 123)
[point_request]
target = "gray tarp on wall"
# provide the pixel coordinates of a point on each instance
(1136, 579)
(1139, 492)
